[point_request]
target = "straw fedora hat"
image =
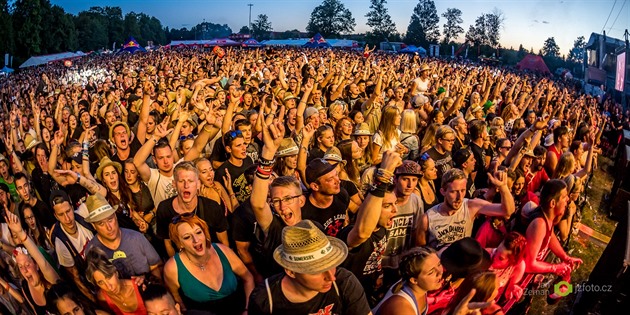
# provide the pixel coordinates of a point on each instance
(333, 154)
(287, 147)
(363, 129)
(99, 209)
(105, 162)
(30, 141)
(306, 249)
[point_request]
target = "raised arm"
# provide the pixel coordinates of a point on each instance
(505, 209)
(307, 134)
(140, 160)
(15, 226)
(208, 132)
(370, 210)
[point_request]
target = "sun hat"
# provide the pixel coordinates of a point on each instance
(30, 141)
(464, 257)
(288, 96)
(306, 249)
(363, 129)
(116, 124)
(409, 167)
(529, 153)
(287, 147)
(424, 67)
(333, 154)
(98, 208)
(106, 161)
(318, 168)
(549, 140)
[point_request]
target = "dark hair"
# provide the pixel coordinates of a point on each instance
(551, 190)
(559, 132)
(62, 291)
(242, 122)
(476, 128)
(412, 261)
(41, 238)
(155, 291)
(539, 150)
(483, 282)
(98, 261)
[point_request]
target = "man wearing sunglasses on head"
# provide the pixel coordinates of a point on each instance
(234, 168)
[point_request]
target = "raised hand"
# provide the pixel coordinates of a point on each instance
(499, 179)
(13, 222)
(308, 131)
(466, 307)
(65, 177)
(391, 160)
(59, 137)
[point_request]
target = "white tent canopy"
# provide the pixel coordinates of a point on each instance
(40, 60)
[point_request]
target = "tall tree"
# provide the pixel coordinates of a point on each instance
(244, 30)
(6, 28)
(575, 54)
(423, 27)
(61, 32)
(92, 32)
(493, 25)
(331, 18)
(380, 21)
(476, 34)
(452, 27)
(261, 27)
(27, 21)
(550, 48)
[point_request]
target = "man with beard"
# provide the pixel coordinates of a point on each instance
(452, 219)
(367, 237)
(188, 202)
(537, 176)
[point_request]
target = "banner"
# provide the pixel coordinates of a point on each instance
(620, 77)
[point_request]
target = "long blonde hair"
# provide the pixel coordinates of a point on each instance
(386, 127)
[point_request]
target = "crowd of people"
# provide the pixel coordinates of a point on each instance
(289, 181)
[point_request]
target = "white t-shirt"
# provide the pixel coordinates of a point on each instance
(80, 242)
(160, 186)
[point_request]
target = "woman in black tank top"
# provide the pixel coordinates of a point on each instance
(426, 185)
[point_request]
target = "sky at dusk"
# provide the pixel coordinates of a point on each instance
(527, 22)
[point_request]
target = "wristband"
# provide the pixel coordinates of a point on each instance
(266, 163)
(78, 178)
(206, 130)
(378, 190)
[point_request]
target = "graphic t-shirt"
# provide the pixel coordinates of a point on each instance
(400, 237)
(239, 183)
(333, 217)
(446, 229)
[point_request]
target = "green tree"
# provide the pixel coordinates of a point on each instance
(380, 21)
(91, 31)
(452, 27)
(423, 27)
(476, 34)
(550, 48)
(261, 27)
(575, 54)
(244, 30)
(493, 24)
(61, 32)
(6, 28)
(131, 26)
(331, 18)
(27, 21)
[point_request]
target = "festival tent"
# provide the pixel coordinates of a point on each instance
(131, 46)
(343, 43)
(317, 41)
(285, 42)
(6, 70)
(533, 63)
(411, 49)
(203, 43)
(221, 42)
(40, 60)
(252, 43)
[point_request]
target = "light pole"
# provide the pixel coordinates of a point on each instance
(250, 5)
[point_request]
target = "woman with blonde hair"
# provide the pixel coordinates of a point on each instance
(428, 140)
(212, 189)
(486, 289)
(408, 135)
(388, 135)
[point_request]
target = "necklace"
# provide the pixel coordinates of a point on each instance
(201, 266)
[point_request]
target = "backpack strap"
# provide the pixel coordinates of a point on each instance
(270, 297)
(336, 288)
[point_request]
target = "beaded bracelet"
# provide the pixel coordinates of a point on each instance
(264, 162)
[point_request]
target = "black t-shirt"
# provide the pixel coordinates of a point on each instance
(443, 163)
(333, 217)
(77, 193)
(365, 260)
(44, 184)
(458, 145)
(347, 298)
(481, 179)
(43, 214)
(243, 221)
(134, 146)
(239, 183)
(207, 209)
(349, 186)
(315, 153)
(143, 199)
(219, 154)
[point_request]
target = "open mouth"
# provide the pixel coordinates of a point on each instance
(287, 217)
(186, 194)
(198, 248)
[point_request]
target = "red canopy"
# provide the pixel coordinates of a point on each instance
(533, 63)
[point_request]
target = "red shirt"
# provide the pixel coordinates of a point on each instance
(535, 181)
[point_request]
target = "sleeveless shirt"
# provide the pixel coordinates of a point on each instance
(444, 230)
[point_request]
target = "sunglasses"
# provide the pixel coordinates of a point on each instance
(505, 148)
(178, 218)
(424, 157)
(188, 137)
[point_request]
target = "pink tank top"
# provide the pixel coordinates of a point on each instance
(140, 310)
